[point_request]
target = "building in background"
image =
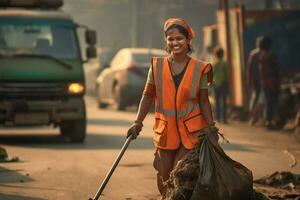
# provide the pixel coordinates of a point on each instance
(237, 30)
(138, 23)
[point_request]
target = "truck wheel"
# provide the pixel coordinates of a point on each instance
(119, 103)
(75, 130)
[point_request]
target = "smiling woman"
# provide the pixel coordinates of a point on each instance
(178, 84)
(176, 38)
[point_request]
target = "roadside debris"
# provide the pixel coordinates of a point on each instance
(292, 157)
(259, 195)
(207, 172)
(279, 179)
(289, 106)
(296, 129)
(4, 156)
(280, 186)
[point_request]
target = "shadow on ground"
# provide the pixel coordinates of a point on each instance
(16, 179)
(17, 197)
(109, 122)
(95, 141)
(13, 176)
(238, 147)
(92, 141)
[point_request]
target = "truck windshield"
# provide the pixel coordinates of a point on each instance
(56, 40)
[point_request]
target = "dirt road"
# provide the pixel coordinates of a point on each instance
(52, 169)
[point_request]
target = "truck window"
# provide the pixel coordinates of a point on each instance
(40, 39)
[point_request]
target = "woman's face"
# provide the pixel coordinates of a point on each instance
(176, 42)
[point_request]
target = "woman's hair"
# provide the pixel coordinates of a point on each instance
(266, 43)
(183, 31)
(219, 52)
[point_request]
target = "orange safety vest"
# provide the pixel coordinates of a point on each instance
(177, 112)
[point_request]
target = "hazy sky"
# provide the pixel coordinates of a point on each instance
(123, 23)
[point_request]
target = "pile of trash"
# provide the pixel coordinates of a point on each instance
(207, 172)
(4, 156)
(279, 186)
(288, 116)
(183, 178)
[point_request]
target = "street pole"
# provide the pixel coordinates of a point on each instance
(228, 41)
(134, 19)
(245, 89)
(224, 7)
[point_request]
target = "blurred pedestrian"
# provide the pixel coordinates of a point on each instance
(270, 80)
(221, 79)
(253, 83)
(178, 85)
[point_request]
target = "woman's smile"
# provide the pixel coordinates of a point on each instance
(176, 42)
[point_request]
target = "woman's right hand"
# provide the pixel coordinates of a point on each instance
(135, 129)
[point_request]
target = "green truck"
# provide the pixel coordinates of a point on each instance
(41, 67)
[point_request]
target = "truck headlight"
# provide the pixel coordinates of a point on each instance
(75, 88)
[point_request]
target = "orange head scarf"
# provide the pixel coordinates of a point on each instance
(171, 21)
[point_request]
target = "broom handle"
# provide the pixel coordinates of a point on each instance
(112, 169)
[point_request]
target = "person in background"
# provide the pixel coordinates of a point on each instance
(178, 85)
(269, 70)
(253, 83)
(220, 84)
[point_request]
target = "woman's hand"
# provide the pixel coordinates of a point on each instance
(135, 129)
(137, 126)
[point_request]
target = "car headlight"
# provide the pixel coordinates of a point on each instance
(75, 88)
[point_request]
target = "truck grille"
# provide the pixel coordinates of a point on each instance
(32, 89)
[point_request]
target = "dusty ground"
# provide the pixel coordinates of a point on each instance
(53, 169)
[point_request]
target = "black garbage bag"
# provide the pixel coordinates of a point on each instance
(207, 173)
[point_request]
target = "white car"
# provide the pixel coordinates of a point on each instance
(122, 83)
(95, 66)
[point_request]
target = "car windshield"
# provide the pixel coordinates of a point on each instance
(106, 57)
(37, 37)
(144, 58)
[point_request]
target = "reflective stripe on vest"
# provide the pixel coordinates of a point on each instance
(190, 106)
